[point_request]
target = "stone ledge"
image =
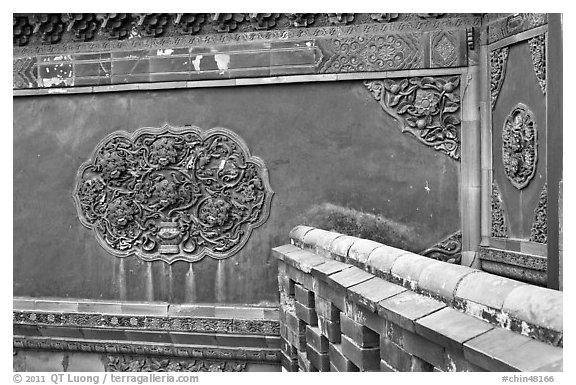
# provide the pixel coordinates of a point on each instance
(530, 310)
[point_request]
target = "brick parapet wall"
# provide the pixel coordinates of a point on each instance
(350, 304)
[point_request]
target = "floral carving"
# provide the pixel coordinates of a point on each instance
(227, 22)
(189, 23)
(498, 61)
(538, 50)
(519, 146)
(383, 17)
(449, 250)
(262, 21)
(302, 19)
(340, 18)
(124, 363)
(84, 25)
(22, 30)
(374, 53)
(539, 230)
(152, 24)
(499, 225)
(428, 108)
(115, 25)
(50, 26)
(173, 194)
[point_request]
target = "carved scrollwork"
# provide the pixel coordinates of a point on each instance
(499, 224)
(427, 108)
(519, 146)
(123, 363)
(538, 50)
(173, 194)
(498, 61)
(449, 250)
(539, 230)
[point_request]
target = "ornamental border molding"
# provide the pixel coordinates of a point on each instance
(186, 41)
(537, 47)
(499, 224)
(149, 349)
(448, 250)
(427, 108)
(539, 229)
(498, 62)
(132, 363)
(527, 261)
(157, 193)
(520, 146)
(147, 322)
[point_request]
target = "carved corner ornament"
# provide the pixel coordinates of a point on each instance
(538, 51)
(519, 146)
(498, 61)
(499, 227)
(539, 230)
(427, 108)
(448, 250)
(173, 194)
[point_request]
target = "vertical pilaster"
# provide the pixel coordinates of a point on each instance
(485, 139)
(470, 186)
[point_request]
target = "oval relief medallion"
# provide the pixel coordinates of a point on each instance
(173, 193)
(519, 146)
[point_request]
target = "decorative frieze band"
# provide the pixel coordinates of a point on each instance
(126, 363)
(514, 24)
(428, 108)
(148, 349)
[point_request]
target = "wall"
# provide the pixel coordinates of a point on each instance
(309, 136)
(350, 304)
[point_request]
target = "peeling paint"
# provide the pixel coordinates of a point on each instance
(526, 329)
(164, 52)
(196, 62)
(222, 61)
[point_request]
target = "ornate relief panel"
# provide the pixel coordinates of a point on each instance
(538, 50)
(498, 61)
(448, 250)
(499, 225)
(427, 108)
(173, 193)
(539, 230)
(519, 146)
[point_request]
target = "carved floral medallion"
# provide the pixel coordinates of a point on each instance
(519, 146)
(173, 193)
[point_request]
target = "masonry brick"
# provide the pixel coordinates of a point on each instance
(288, 363)
(304, 296)
(315, 339)
(281, 251)
(306, 314)
(364, 358)
(348, 278)
(381, 260)
(401, 360)
(456, 362)
(372, 291)
(360, 250)
(324, 241)
(288, 349)
(360, 334)
(339, 361)
(421, 347)
(365, 317)
(406, 307)
(328, 268)
(320, 361)
(385, 367)
(331, 330)
(336, 296)
(486, 289)
(294, 324)
(300, 277)
(312, 238)
(303, 260)
(304, 363)
(296, 340)
(450, 328)
(326, 309)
